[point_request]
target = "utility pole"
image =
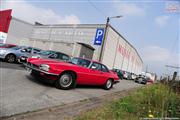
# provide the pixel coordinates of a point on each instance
(104, 38)
(172, 67)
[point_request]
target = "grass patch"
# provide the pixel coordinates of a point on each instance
(151, 101)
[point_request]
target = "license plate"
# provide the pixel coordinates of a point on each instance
(29, 69)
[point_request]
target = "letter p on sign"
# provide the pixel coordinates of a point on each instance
(99, 36)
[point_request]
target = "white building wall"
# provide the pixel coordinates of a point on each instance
(119, 54)
(110, 48)
(19, 32)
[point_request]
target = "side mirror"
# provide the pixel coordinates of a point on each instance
(23, 50)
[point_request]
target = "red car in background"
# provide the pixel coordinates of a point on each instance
(7, 45)
(79, 71)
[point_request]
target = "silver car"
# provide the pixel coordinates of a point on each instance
(12, 54)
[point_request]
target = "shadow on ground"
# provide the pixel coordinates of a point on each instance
(41, 82)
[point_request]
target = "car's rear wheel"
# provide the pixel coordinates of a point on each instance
(108, 85)
(10, 58)
(65, 81)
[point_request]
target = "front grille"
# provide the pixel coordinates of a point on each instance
(33, 65)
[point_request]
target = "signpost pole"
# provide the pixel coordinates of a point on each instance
(104, 37)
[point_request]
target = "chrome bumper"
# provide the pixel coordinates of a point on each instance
(27, 66)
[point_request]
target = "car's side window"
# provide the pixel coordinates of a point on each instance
(83, 63)
(95, 66)
(62, 56)
(53, 56)
(36, 50)
(104, 68)
(28, 50)
(65, 57)
(59, 56)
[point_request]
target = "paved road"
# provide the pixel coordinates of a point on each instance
(20, 92)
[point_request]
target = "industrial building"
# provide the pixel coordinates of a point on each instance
(80, 40)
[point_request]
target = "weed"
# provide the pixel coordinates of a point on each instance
(156, 100)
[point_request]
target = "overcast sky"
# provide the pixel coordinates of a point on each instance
(151, 26)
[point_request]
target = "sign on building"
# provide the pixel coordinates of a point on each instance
(3, 37)
(5, 18)
(99, 36)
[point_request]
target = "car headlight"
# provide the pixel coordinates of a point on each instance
(44, 67)
(35, 57)
(2, 51)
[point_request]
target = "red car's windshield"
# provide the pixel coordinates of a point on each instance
(81, 62)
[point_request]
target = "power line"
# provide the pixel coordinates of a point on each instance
(99, 10)
(170, 66)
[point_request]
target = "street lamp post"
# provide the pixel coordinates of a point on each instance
(104, 38)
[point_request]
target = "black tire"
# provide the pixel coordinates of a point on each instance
(65, 81)
(10, 58)
(108, 85)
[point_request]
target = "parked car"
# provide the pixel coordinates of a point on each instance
(30, 51)
(12, 54)
(141, 79)
(7, 45)
(119, 72)
(66, 75)
(129, 76)
(133, 76)
(48, 54)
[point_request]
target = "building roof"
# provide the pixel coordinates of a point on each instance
(86, 45)
(71, 25)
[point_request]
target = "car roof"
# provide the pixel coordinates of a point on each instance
(89, 60)
(31, 47)
(56, 52)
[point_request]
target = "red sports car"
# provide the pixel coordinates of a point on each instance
(78, 71)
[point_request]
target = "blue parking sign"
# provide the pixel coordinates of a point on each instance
(99, 36)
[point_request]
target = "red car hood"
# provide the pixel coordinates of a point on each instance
(38, 61)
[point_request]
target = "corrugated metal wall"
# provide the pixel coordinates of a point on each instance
(119, 53)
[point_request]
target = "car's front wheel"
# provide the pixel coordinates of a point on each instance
(109, 84)
(65, 81)
(10, 58)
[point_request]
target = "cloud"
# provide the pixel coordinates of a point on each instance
(155, 53)
(28, 12)
(129, 9)
(160, 55)
(157, 57)
(162, 20)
